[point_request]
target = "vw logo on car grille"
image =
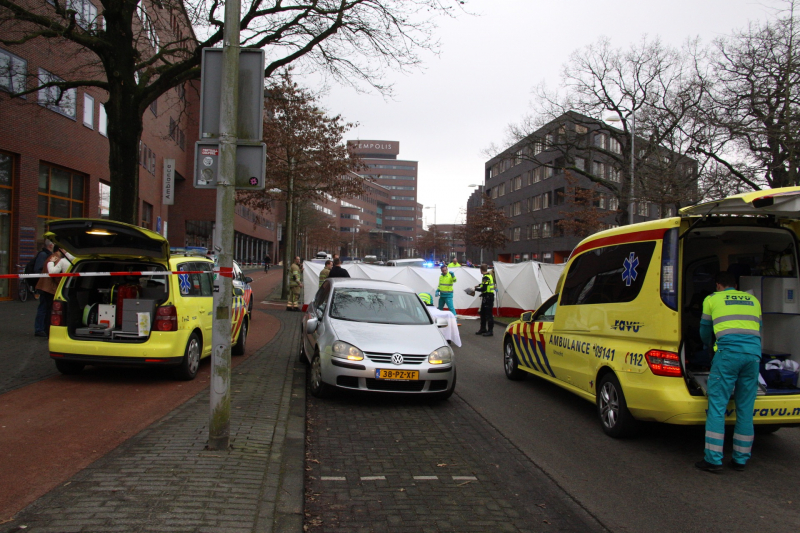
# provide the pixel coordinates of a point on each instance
(397, 359)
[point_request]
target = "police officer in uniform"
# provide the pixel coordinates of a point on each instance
(445, 290)
(735, 319)
(486, 288)
(295, 284)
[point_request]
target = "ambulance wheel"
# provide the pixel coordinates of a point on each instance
(511, 363)
(187, 370)
(241, 342)
(765, 429)
(69, 368)
(612, 409)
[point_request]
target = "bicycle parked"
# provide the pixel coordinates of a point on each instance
(23, 288)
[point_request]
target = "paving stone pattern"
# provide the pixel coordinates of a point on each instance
(164, 480)
(389, 464)
(24, 358)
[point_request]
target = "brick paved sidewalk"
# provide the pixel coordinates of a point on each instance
(164, 479)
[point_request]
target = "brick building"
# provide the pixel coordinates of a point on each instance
(399, 215)
(54, 157)
(452, 244)
(533, 193)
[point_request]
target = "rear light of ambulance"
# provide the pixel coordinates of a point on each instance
(167, 318)
(57, 314)
(664, 363)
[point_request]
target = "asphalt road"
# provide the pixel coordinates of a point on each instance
(644, 484)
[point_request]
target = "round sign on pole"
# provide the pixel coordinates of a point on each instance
(207, 161)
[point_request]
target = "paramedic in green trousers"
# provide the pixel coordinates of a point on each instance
(445, 290)
(735, 318)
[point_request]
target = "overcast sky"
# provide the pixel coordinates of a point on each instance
(446, 114)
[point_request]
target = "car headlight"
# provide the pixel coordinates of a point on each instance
(347, 351)
(441, 356)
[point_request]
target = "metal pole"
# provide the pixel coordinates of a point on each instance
(633, 156)
(220, 399)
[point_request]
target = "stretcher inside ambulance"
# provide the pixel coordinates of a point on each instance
(762, 253)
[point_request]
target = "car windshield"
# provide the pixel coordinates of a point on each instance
(378, 306)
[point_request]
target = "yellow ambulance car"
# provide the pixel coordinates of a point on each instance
(132, 318)
(622, 329)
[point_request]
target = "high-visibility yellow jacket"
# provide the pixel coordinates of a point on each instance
(487, 284)
(446, 282)
(736, 320)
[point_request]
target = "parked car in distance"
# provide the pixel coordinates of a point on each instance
(408, 263)
(374, 335)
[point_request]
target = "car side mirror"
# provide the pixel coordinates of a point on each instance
(441, 322)
(238, 292)
(311, 325)
(526, 317)
(248, 279)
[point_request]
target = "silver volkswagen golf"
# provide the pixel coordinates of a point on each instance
(377, 336)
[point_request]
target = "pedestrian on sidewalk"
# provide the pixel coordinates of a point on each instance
(43, 311)
(267, 261)
(295, 284)
(57, 263)
(325, 272)
(486, 288)
(338, 271)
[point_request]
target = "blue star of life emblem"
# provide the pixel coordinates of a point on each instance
(629, 273)
(183, 279)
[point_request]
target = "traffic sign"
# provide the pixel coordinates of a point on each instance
(251, 162)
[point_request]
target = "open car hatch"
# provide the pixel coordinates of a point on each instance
(778, 202)
(88, 237)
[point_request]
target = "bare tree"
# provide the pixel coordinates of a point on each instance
(752, 113)
(486, 227)
(136, 50)
(307, 158)
(650, 88)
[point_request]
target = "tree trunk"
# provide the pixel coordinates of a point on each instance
(288, 237)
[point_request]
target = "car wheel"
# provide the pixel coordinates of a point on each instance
(187, 370)
(441, 396)
(766, 429)
(319, 389)
(69, 368)
(241, 343)
(511, 363)
(612, 409)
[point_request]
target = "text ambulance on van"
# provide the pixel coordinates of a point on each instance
(622, 329)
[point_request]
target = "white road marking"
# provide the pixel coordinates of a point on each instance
(424, 478)
(333, 478)
(465, 478)
(373, 478)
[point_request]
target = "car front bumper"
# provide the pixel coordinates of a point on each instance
(361, 375)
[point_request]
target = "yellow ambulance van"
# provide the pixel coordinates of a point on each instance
(622, 329)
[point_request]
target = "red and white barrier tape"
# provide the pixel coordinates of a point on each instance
(225, 272)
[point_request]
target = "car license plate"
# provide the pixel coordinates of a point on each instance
(407, 375)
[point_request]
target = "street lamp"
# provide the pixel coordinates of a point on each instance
(617, 118)
(353, 244)
(434, 230)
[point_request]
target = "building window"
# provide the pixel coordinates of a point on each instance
(102, 120)
(537, 203)
(599, 169)
(580, 163)
(535, 231)
(53, 98)
(600, 141)
(549, 172)
(104, 199)
(6, 194)
(546, 200)
(517, 183)
(501, 189)
(613, 146)
(88, 111)
(154, 107)
(613, 174)
(147, 215)
(61, 195)
(547, 229)
(581, 130)
(13, 70)
(613, 203)
(517, 209)
(516, 234)
(643, 208)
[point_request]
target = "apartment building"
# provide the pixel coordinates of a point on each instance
(528, 182)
